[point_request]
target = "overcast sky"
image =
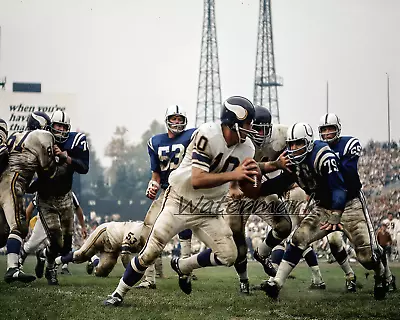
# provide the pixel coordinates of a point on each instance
(127, 60)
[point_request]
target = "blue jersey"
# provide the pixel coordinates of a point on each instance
(348, 150)
(77, 149)
(166, 154)
(318, 174)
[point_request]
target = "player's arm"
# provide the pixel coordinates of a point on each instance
(279, 164)
(328, 168)
(126, 248)
(154, 183)
(202, 156)
(351, 154)
(278, 185)
(80, 160)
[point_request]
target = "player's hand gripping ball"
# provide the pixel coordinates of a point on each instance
(251, 182)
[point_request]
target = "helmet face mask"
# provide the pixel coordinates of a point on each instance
(299, 142)
(175, 119)
(329, 120)
(60, 126)
(262, 127)
(263, 134)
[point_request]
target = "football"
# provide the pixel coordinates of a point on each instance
(250, 189)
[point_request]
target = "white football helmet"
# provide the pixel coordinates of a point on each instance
(3, 131)
(61, 118)
(330, 120)
(299, 132)
(175, 110)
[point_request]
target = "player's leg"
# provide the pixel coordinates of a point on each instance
(37, 237)
(149, 281)
(107, 262)
(149, 220)
(50, 218)
(12, 204)
(4, 229)
(275, 215)
(307, 232)
(94, 243)
(296, 204)
(167, 224)
(237, 224)
(218, 237)
(151, 216)
(158, 267)
(358, 228)
(336, 244)
(67, 227)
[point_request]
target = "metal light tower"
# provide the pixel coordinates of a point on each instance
(266, 81)
(209, 90)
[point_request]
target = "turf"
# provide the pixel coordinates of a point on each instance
(215, 296)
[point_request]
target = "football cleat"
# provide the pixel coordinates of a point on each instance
(271, 289)
(317, 286)
(391, 285)
(380, 288)
(185, 282)
(51, 276)
(15, 274)
(40, 261)
(89, 267)
(244, 287)
(351, 283)
(266, 263)
(145, 284)
(113, 300)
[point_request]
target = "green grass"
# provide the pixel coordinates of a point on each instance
(214, 296)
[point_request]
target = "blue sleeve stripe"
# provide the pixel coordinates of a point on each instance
(201, 153)
(201, 165)
(150, 144)
(321, 162)
(349, 145)
(75, 140)
(201, 158)
(317, 160)
(75, 200)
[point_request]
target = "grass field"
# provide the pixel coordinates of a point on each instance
(214, 296)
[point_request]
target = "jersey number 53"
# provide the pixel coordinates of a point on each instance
(170, 156)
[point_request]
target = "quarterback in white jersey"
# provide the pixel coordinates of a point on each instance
(30, 152)
(219, 153)
(110, 239)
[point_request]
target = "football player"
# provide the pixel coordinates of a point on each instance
(39, 235)
(30, 152)
(393, 227)
(111, 240)
(166, 151)
(338, 206)
(55, 196)
(4, 228)
(348, 150)
(218, 154)
(270, 142)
